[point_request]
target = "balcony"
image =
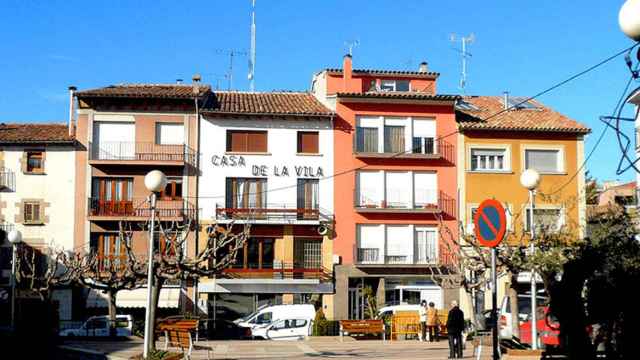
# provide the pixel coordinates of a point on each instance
(140, 153)
(430, 201)
(423, 148)
(376, 257)
(7, 179)
(273, 214)
(139, 209)
(279, 270)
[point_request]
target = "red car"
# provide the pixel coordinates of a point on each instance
(548, 330)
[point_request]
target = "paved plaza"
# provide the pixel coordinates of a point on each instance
(315, 348)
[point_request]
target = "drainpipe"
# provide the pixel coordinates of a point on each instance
(196, 90)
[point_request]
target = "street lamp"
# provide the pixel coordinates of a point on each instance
(530, 179)
(629, 19)
(15, 238)
(155, 181)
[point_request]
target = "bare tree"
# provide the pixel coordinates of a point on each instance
(41, 272)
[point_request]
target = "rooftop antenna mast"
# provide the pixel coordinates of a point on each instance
(464, 40)
(231, 53)
(351, 44)
(252, 54)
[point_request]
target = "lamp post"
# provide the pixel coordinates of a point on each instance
(15, 238)
(530, 180)
(629, 19)
(155, 181)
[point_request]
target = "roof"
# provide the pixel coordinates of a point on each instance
(35, 134)
(157, 91)
(266, 103)
(491, 108)
(397, 73)
(409, 95)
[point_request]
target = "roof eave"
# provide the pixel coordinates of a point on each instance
(264, 114)
(463, 128)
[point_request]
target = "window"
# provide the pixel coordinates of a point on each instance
(396, 189)
(35, 162)
(367, 139)
(307, 254)
(109, 248)
(31, 212)
(169, 134)
(246, 193)
(308, 142)
(394, 85)
(549, 220)
(426, 246)
(173, 190)
(544, 161)
(370, 189)
(424, 133)
(246, 141)
(112, 196)
(399, 244)
(425, 189)
(488, 160)
(393, 139)
(370, 243)
(257, 253)
(397, 194)
(264, 318)
(308, 198)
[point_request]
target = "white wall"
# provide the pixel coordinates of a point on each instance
(281, 148)
(56, 187)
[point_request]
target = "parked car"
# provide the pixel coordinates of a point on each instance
(270, 314)
(548, 329)
(99, 326)
(505, 330)
(284, 329)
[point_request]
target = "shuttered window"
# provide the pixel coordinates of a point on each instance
(246, 141)
(31, 212)
(543, 160)
(308, 142)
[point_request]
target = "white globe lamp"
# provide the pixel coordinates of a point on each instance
(530, 179)
(155, 181)
(14, 237)
(629, 19)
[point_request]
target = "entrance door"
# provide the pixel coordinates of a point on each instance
(307, 199)
(356, 303)
(307, 254)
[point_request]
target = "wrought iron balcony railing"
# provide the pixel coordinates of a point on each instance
(278, 270)
(141, 152)
(273, 213)
(140, 207)
(378, 256)
(430, 201)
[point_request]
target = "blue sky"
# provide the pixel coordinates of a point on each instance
(522, 47)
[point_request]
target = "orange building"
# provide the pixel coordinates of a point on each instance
(395, 185)
(499, 138)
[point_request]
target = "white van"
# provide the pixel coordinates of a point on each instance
(270, 314)
(99, 326)
(392, 309)
(284, 329)
(505, 328)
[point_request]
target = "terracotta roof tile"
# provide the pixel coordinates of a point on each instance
(411, 95)
(159, 91)
(266, 103)
(541, 118)
(35, 133)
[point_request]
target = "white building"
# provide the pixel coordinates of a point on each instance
(37, 182)
(267, 160)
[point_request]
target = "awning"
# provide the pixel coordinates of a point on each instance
(169, 298)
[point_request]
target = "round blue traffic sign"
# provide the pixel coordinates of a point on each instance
(490, 223)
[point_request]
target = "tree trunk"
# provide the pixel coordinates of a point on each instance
(515, 309)
(153, 310)
(111, 294)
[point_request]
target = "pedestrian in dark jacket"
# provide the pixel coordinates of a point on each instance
(455, 326)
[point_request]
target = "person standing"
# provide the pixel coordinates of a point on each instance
(432, 322)
(455, 326)
(423, 320)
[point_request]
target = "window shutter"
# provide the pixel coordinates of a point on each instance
(542, 160)
(229, 193)
(308, 142)
(257, 141)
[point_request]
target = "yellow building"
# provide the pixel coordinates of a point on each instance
(498, 145)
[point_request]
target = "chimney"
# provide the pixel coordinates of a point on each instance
(346, 71)
(423, 68)
(196, 83)
(505, 101)
(178, 81)
(72, 123)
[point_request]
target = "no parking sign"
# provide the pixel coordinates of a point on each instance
(490, 223)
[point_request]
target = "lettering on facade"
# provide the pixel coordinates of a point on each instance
(228, 160)
(263, 170)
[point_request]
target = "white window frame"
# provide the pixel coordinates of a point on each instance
(411, 185)
(561, 169)
(470, 228)
(379, 122)
(561, 220)
(425, 228)
(506, 161)
(411, 252)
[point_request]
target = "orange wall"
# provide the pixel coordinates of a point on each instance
(506, 187)
(344, 185)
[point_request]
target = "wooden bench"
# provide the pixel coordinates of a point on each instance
(178, 333)
(362, 327)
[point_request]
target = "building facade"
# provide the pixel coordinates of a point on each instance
(499, 138)
(395, 186)
(37, 181)
(267, 161)
(125, 131)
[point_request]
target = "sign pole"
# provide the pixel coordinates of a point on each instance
(494, 302)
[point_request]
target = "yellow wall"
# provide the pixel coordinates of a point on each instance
(505, 186)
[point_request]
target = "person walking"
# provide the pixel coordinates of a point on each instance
(455, 326)
(423, 320)
(432, 322)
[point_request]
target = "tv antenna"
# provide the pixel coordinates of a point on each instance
(464, 40)
(252, 52)
(231, 53)
(351, 44)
